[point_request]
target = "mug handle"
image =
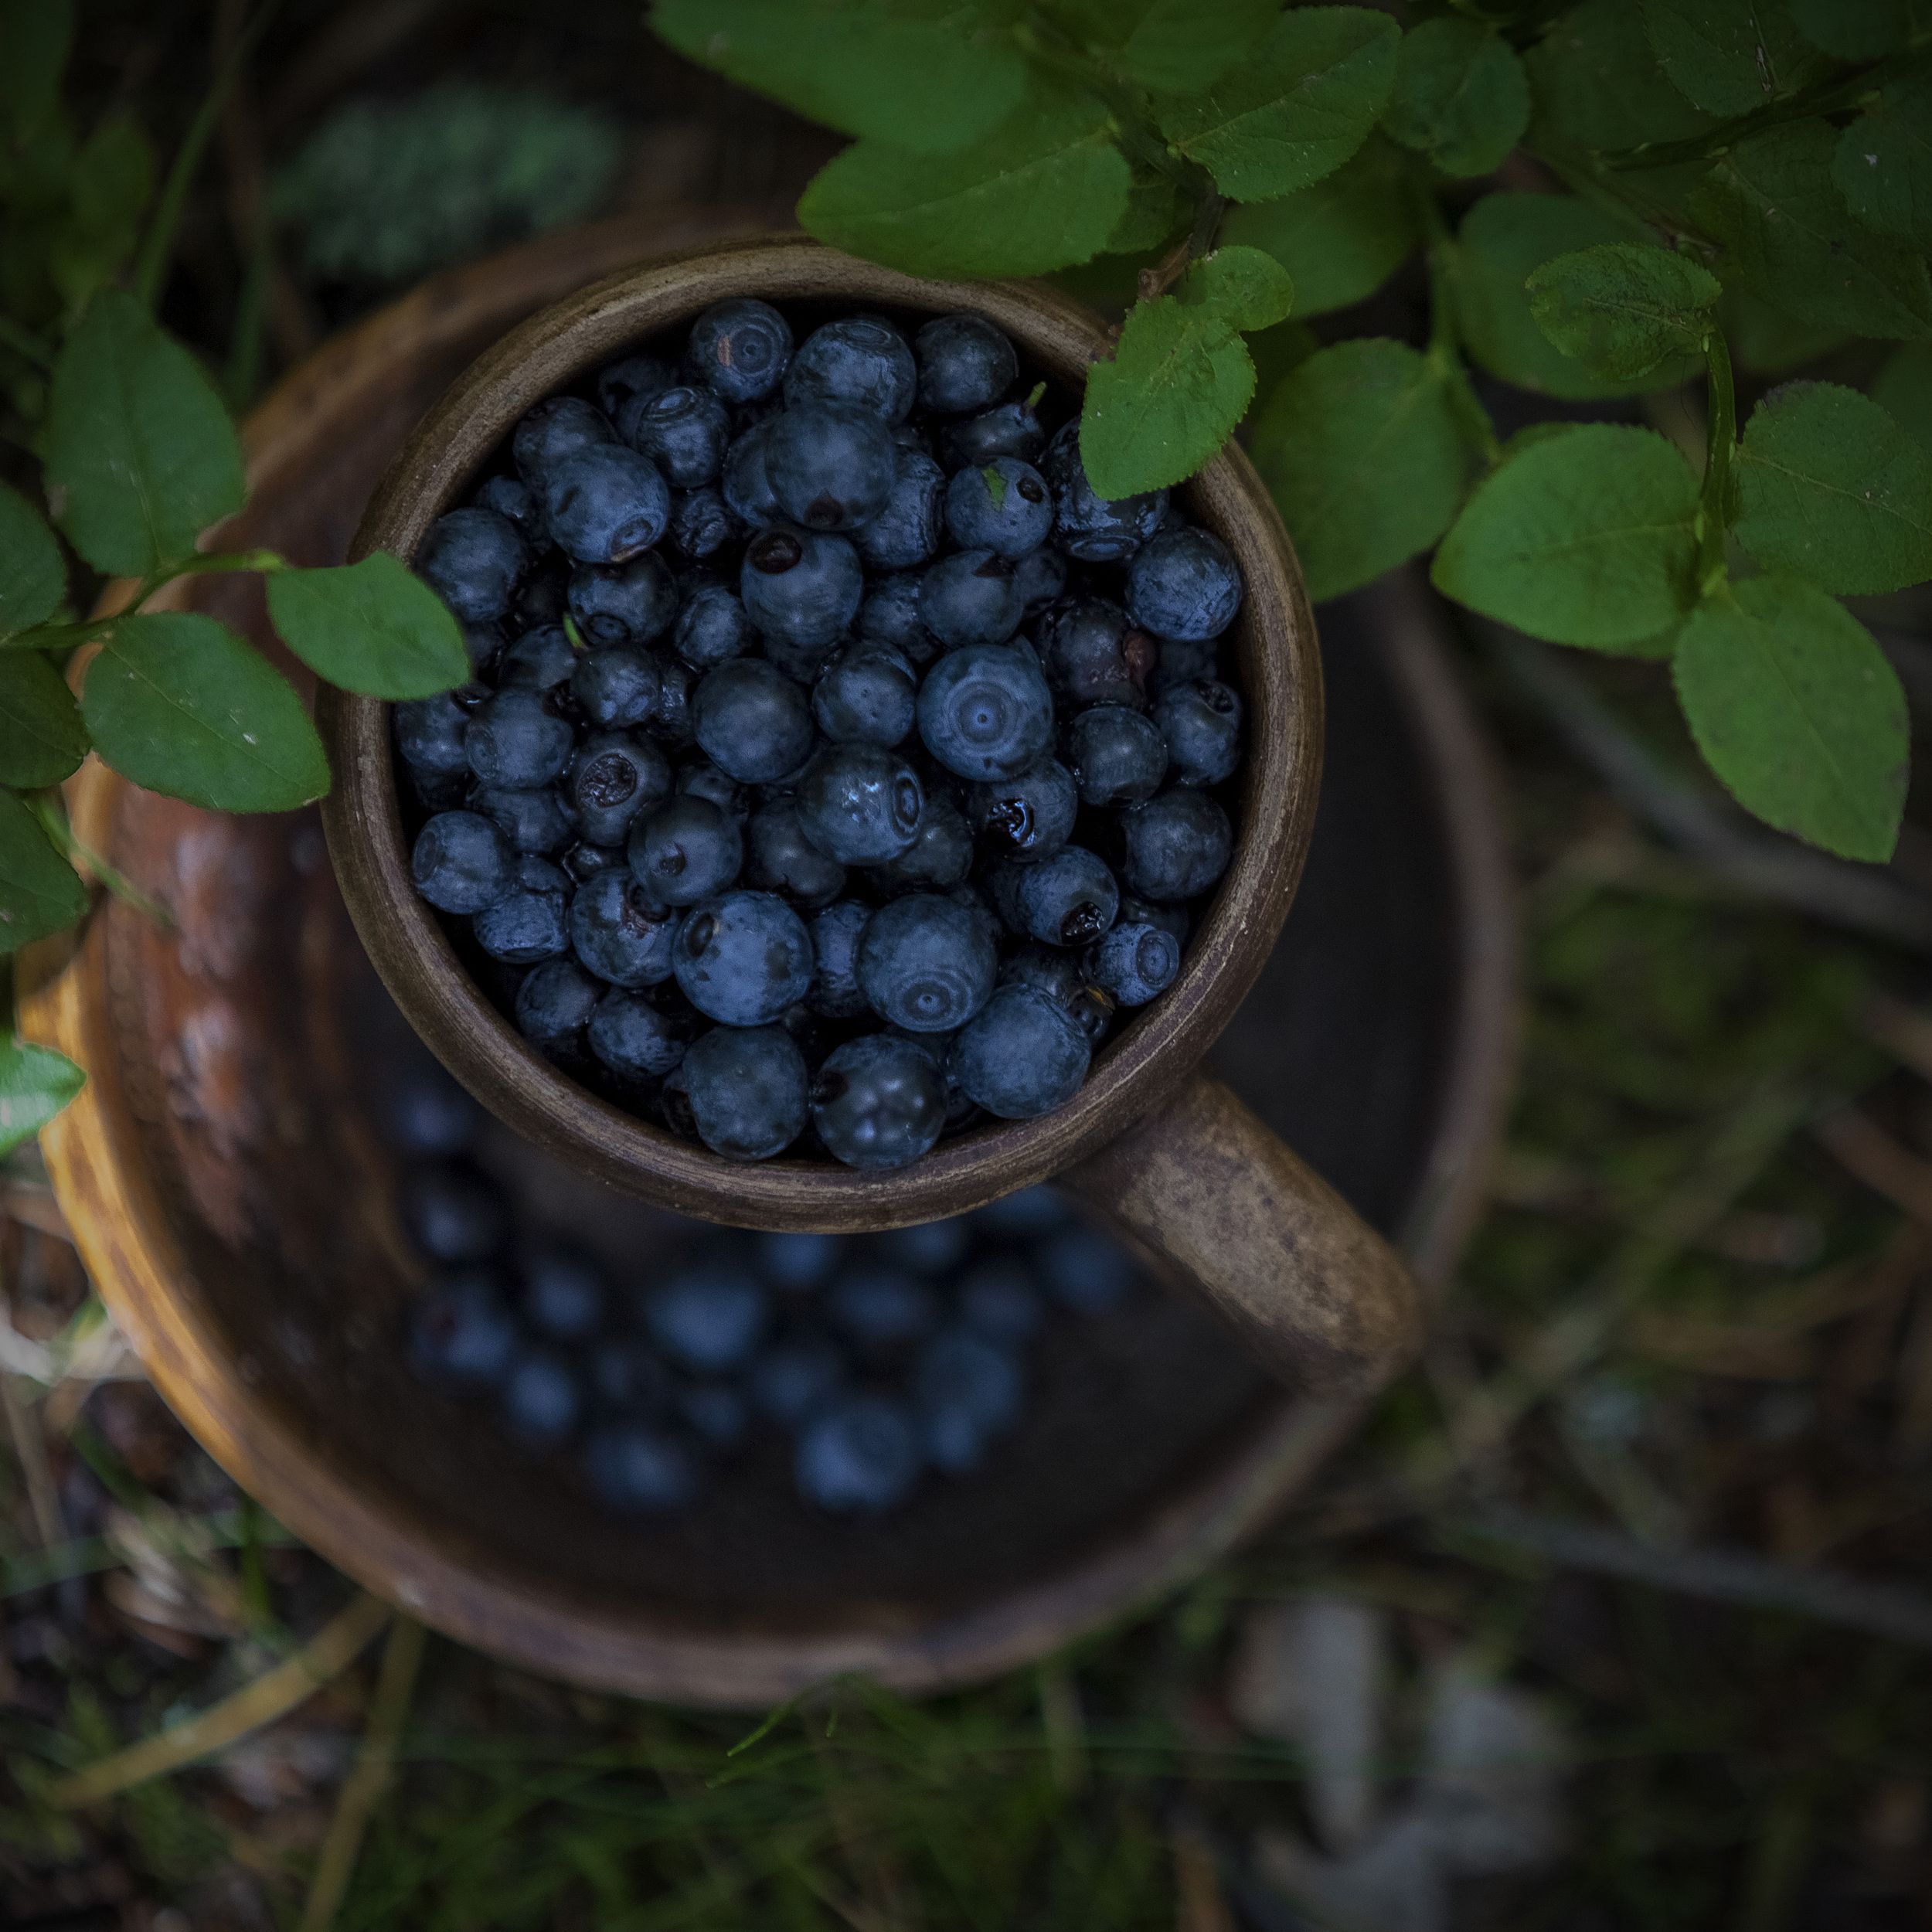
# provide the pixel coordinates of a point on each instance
(1230, 1213)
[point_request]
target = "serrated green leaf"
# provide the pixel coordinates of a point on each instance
(1461, 96)
(1296, 109)
(1860, 30)
(1595, 83)
(1793, 705)
(1504, 240)
(39, 892)
(1246, 287)
(1766, 341)
(1170, 46)
(1772, 203)
(33, 578)
(142, 457)
(1830, 488)
(1903, 390)
(372, 627)
(1155, 209)
(1622, 309)
(1360, 449)
(179, 704)
(38, 35)
(1729, 56)
(41, 738)
(1045, 190)
(35, 1084)
(1341, 240)
(1586, 538)
(925, 76)
(1882, 164)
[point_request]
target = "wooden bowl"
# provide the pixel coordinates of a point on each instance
(1219, 1205)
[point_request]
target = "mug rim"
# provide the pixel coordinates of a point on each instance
(1146, 1062)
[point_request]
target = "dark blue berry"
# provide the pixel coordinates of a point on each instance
(1062, 977)
(925, 963)
(583, 862)
(566, 1295)
(542, 1400)
(1003, 507)
(514, 741)
(878, 1103)
(744, 481)
(964, 363)
(613, 777)
(889, 616)
(540, 601)
(881, 1308)
(927, 1247)
(683, 430)
(1135, 963)
(740, 349)
(708, 1316)
(1084, 1271)
(792, 1378)
(672, 720)
(640, 375)
(635, 1039)
(1201, 724)
(461, 1332)
(859, 359)
(985, 712)
(968, 1388)
(532, 821)
(1177, 845)
(510, 496)
(425, 1111)
(1023, 1055)
(620, 933)
(1184, 585)
(939, 856)
(701, 524)
(1171, 918)
(527, 923)
(998, 1299)
(779, 858)
(859, 804)
(831, 465)
(429, 736)
(554, 1002)
(1088, 527)
(752, 722)
(906, 531)
(1028, 815)
(686, 850)
(616, 686)
(623, 603)
(1091, 655)
(860, 1454)
(605, 504)
(482, 644)
(474, 560)
(1117, 757)
(711, 627)
(539, 660)
(1009, 429)
(639, 1469)
(802, 586)
(701, 779)
(461, 863)
(1181, 664)
(969, 597)
(744, 958)
(558, 426)
(835, 934)
(746, 1087)
(1069, 898)
(796, 1263)
(451, 1212)
(866, 695)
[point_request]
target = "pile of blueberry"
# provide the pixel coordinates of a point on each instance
(763, 815)
(880, 1359)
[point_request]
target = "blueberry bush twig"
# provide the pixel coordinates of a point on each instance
(1741, 182)
(137, 465)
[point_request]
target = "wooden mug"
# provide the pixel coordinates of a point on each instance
(1216, 1201)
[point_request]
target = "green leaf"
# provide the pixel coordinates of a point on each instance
(1155, 208)
(1180, 379)
(1170, 46)
(1293, 111)
(1461, 96)
(1860, 30)
(1903, 390)
(1729, 56)
(371, 627)
(1360, 449)
(41, 738)
(1831, 489)
(1772, 203)
(1766, 341)
(35, 1084)
(1882, 164)
(112, 179)
(926, 76)
(1341, 240)
(38, 35)
(142, 457)
(1595, 83)
(39, 892)
(1622, 308)
(1504, 240)
(1794, 707)
(179, 704)
(33, 578)
(1587, 538)
(1042, 192)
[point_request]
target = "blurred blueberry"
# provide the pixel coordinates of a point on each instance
(997, 1297)
(542, 1400)
(627, 1376)
(1084, 1271)
(927, 1247)
(797, 1262)
(861, 1453)
(425, 1111)
(708, 1317)
(967, 1389)
(716, 1411)
(461, 1332)
(564, 1294)
(880, 1307)
(451, 1212)
(1024, 1216)
(791, 1378)
(639, 1469)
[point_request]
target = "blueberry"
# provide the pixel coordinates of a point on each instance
(558, 426)
(860, 1454)
(925, 963)
(905, 530)
(1069, 898)
(964, 363)
(702, 523)
(927, 1247)
(1023, 1055)
(745, 481)
(997, 1298)
(1064, 979)
(1007, 429)
(474, 560)
(971, 597)
(461, 863)
(564, 1295)
(620, 934)
(752, 721)
(881, 1308)
(1117, 757)
(605, 504)
(939, 855)
(634, 1039)
(797, 1262)
(859, 804)
(1025, 1216)
(686, 850)
(640, 375)
(740, 349)
(967, 1388)
(429, 736)
(613, 777)
(859, 359)
(746, 1088)
(461, 1333)
(1003, 507)
(708, 1316)
(540, 601)
(831, 465)
(539, 660)
(866, 695)
(1085, 1271)
(985, 712)
(616, 685)
(1091, 655)
(623, 603)
(672, 720)
(683, 430)
(801, 585)
(836, 934)
(792, 1378)
(744, 958)
(451, 1212)
(510, 496)
(583, 862)
(527, 923)
(1137, 911)
(699, 778)
(514, 742)
(554, 1002)
(878, 1103)
(482, 644)
(639, 1469)
(779, 858)
(1177, 845)
(627, 1376)
(711, 627)
(1088, 527)
(532, 821)
(1184, 585)
(425, 1111)
(716, 1411)
(889, 616)
(1030, 814)
(1201, 724)
(1135, 963)
(542, 1400)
